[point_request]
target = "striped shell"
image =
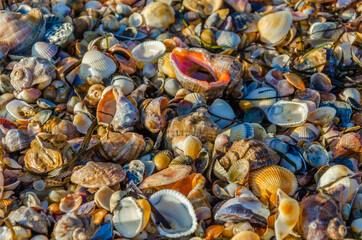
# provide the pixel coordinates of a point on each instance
(94, 63)
(320, 82)
(44, 50)
(268, 180)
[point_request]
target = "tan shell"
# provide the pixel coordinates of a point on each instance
(102, 197)
(158, 15)
(204, 7)
(266, 181)
(154, 114)
(164, 65)
(98, 174)
(192, 146)
(70, 203)
(322, 115)
(74, 226)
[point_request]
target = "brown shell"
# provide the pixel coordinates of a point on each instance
(254, 151)
(197, 124)
(320, 218)
(121, 148)
(124, 58)
(154, 114)
(347, 144)
(98, 174)
(74, 226)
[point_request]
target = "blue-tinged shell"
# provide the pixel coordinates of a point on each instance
(344, 111)
(135, 170)
(105, 232)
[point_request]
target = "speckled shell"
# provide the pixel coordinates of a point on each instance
(274, 27)
(255, 152)
(20, 31)
(320, 218)
(74, 226)
(121, 148)
(266, 181)
(27, 217)
(98, 174)
(154, 114)
(32, 72)
(197, 124)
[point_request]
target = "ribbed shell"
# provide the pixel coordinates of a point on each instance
(288, 113)
(320, 82)
(97, 61)
(268, 180)
(44, 50)
(322, 115)
(16, 140)
(227, 39)
(164, 65)
(21, 31)
(148, 51)
(274, 27)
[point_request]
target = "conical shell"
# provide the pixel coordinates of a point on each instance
(268, 180)
(44, 50)
(288, 114)
(104, 66)
(274, 27)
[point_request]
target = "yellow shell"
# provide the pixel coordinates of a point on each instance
(164, 65)
(268, 180)
(162, 160)
(192, 146)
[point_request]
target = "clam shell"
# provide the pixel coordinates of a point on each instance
(344, 111)
(18, 108)
(177, 210)
(149, 51)
(320, 82)
(227, 39)
(16, 140)
(238, 172)
(124, 82)
(221, 108)
(70, 203)
(192, 146)
(103, 196)
(295, 80)
(204, 8)
(256, 97)
(44, 50)
(268, 180)
(158, 15)
(82, 122)
(135, 20)
(303, 132)
(131, 216)
(322, 115)
(102, 65)
(246, 235)
(241, 131)
(333, 174)
(274, 27)
(288, 114)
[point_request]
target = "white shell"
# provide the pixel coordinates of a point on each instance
(135, 20)
(93, 5)
(260, 93)
(221, 108)
(44, 50)
(148, 51)
(177, 210)
(96, 63)
(288, 114)
(227, 39)
(14, 108)
(124, 82)
(82, 122)
(333, 174)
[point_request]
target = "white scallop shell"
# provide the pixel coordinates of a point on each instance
(288, 113)
(14, 108)
(44, 50)
(148, 51)
(177, 210)
(221, 108)
(94, 61)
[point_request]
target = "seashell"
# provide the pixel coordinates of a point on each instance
(135, 170)
(124, 58)
(47, 152)
(246, 235)
(303, 132)
(31, 200)
(44, 50)
(221, 106)
(274, 27)
(98, 174)
(121, 148)
(321, 33)
(25, 29)
(162, 159)
(129, 208)
(94, 95)
(158, 15)
(74, 226)
(149, 70)
(70, 203)
(266, 181)
(227, 39)
(96, 66)
(82, 122)
(240, 5)
(244, 21)
(254, 115)
(192, 146)
(20, 110)
(19, 233)
(135, 20)
(245, 207)
(347, 144)
(181, 217)
(214, 231)
(103, 196)
(322, 115)
(287, 216)
(351, 93)
(16, 140)
(344, 111)
(125, 83)
(39, 185)
(288, 113)
(172, 86)
(123, 9)
(28, 95)
(164, 65)
(197, 124)
(32, 72)
(320, 218)
(166, 178)
(154, 114)
(356, 227)
(238, 172)
(320, 82)
(182, 160)
(204, 8)
(149, 51)
(28, 218)
(295, 80)
(59, 34)
(66, 128)
(256, 98)
(208, 38)
(110, 23)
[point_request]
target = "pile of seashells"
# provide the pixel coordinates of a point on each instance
(155, 119)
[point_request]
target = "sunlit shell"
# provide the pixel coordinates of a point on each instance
(98, 174)
(44, 50)
(309, 95)
(227, 39)
(333, 174)
(164, 65)
(177, 210)
(16, 140)
(288, 114)
(246, 235)
(162, 159)
(192, 146)
(256, 97)
(274, 27)
(303, 132)
(295, 80)
(166, 178)
(344, 111)
(158, 15)
(320, 82)
(97, 65)
(124, 82)
(73, 225)
(149, 51)
(268, 180)
(103, 196)
(154, 114)
(221, 108)
(205, 7)
(322, 32)
(124, 58)
(82, 122)
(351, 93)
(238, 172)
(70, 203)
(322, 115)
(347, 144)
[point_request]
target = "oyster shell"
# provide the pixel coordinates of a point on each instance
(27, 217)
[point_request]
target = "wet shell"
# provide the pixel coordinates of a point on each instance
(166, 178)
(16, 140)
(266, 181)
(44, 50)
(97, 65)
(320, 82)
(130, 216)
(322, 115)
(274, 27)
(121, 148)
(21, 31)
(98, 174)
(177, 210)
(288, 114)
(158, 15)
(149, 51)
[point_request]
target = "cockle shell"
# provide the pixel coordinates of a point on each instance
(44, 50)
(98, 174)
(266, 181)
(288, 113)
(154, 114)
(166, 178)
(221, 108)
(274, 27)
(347, 144)
(121, 148)
(177, 210)
(204, 7)
(131, 216)
(32, 72)
(164, 65)
(27, 217)
(74, 226)
(96, 64)
(16, 140)
(287, 216)
(320, 82)
(322, 115)
(320, 218)
(344, 111)
(20, 31)
(148, 52)
(158, 15)
(192, 146)
(47, 152)
(321, 33)
(316, 155)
